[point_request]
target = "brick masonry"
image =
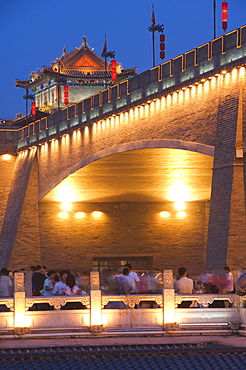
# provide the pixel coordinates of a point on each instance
(129, 229)
(185, 103)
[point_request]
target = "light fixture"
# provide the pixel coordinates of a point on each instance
(97, 214)
(80, 214)
(164, 214)
(6, 157)
(66, 206)
(181, 214)
(63, 214)
(179, 206)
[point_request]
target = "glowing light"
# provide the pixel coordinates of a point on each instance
(63, 214)
(121, 117)
(66, 206)
(94, 127)
(146, 109)
(199, 89)
(178, 193)
(224, 72)
(169, 99)
(164, 214)
(242, 71)
(97, 214)
(179, 206)
(6, 157)
(80, 214)
(234, 72)
(21, 321)
(141, 111)
(187, 93)
(163, 101)
(174, 97)
(65, 193)
(206, 86)
(86, 131)
(152, 106)
(228, 78)
(181, 214)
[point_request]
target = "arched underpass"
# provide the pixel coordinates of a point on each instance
(147, 206)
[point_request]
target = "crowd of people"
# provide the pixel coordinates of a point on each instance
(125, 281)
(51, 283)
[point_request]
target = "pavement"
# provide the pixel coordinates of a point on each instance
(230, 341)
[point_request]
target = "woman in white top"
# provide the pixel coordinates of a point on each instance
(71, 288)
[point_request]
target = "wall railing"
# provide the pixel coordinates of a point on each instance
(101, 313)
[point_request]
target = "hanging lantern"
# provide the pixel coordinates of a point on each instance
(114, 76)
(65, 92)
(162, 46)
(33, 110)
(224, 15)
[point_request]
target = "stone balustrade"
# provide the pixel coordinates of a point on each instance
(97, 316)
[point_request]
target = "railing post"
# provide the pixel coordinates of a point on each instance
(96, 303)
(168, 299)
(19, 303)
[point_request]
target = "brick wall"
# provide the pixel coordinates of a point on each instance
(128, 229)
(26, 249)
(6, 173)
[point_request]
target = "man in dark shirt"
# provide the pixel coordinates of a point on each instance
(38, 279)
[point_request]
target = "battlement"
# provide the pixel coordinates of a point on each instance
(223, 53)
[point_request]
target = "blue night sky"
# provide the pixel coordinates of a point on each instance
(34, 32)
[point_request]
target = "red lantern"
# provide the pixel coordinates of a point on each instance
(65, 88)
(33, 110)
(162, 46)
(224, 15)
(113, 69)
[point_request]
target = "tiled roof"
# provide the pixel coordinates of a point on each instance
(186, 357)
(74, 73)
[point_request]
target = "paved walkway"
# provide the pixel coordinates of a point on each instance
(231, 341)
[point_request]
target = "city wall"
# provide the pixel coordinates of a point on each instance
(194, 102)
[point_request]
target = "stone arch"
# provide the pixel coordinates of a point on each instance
(135, 145)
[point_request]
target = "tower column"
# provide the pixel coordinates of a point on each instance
(227, 222)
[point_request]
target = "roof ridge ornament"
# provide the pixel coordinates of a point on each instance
(84, 44)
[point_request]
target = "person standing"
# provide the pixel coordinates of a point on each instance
(134, 279)
(6, 286)
(123, 282)
(229, 286)
(48, 283)
(60, 286)
(183, 285)
(38, 279)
